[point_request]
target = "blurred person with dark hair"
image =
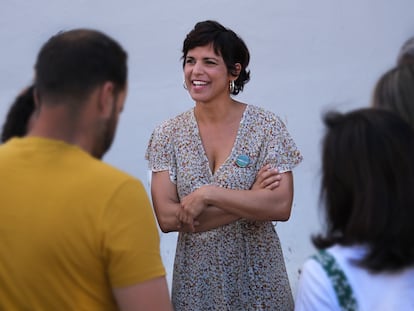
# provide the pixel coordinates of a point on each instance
(20, 117)
(366, 251)
(406, 54)
(394, 92)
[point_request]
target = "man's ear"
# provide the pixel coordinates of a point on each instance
(36, 99)
(106, 99)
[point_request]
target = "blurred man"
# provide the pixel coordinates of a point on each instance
(76, 233)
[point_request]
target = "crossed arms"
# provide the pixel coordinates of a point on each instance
(209, 207)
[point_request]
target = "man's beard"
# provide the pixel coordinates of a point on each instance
(105, 135)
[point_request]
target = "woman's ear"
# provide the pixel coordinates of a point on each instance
(237, 69)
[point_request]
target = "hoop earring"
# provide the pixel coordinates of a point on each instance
(232, 86)
(185, 85)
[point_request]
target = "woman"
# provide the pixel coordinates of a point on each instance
(204, 165)
(367, 249)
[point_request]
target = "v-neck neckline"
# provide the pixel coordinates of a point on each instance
(235, 143)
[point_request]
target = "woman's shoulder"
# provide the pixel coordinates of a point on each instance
(262, 112)
(348, 253)
(175, 122)
(263, 116)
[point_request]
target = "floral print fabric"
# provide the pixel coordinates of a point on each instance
(239, 266)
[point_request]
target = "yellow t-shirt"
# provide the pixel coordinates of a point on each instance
(71, 229)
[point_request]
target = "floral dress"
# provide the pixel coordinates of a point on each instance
(239, 266)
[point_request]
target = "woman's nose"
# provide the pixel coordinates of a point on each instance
(198, 67)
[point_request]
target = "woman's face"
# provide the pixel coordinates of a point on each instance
(206, 75)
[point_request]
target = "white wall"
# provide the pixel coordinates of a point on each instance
(306, 56)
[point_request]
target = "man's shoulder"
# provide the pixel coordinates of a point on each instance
(101, 172)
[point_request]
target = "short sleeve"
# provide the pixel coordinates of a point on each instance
(281, 150)
(131, 243)
(314, 291)
(160, 152)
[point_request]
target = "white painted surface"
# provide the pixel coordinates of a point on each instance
(306, 57)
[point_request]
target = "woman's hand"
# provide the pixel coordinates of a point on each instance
(192, 206)
(267, 178)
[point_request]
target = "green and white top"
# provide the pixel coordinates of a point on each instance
(331, 281)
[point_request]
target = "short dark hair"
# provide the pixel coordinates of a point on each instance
(72, 63)
(17, 118)
(367, 186)
(226, 43)
(394, 91)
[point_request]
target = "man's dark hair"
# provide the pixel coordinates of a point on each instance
(72, 63)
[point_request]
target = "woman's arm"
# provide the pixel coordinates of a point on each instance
(211, 218)
(167, 206)
(165, 201)
(267, 178)
(255, 204)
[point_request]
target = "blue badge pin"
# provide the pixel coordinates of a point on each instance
(242, 160)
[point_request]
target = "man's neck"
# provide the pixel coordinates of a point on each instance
(55, 122)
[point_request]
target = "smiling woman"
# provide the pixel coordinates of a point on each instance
(222, 172)
(206, 74)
